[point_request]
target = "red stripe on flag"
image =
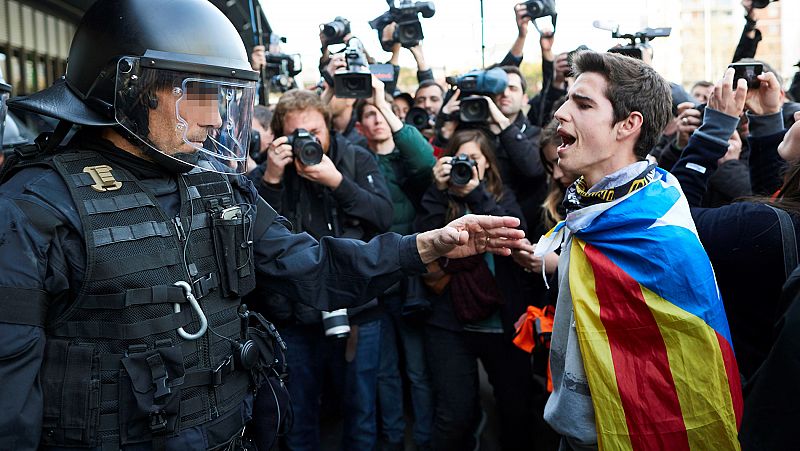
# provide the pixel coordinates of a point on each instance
(732, 370)
(646, 387)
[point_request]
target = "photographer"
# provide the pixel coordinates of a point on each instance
(343, 195)
(405, 159)
(342, 119)
(474, 307)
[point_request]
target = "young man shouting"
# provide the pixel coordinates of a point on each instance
(640, 355)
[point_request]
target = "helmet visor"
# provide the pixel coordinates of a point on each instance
(3, 111)
(197, 119)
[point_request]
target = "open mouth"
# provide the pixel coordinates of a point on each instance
(567, 140)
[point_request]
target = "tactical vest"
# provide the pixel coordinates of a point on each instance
(118, 366)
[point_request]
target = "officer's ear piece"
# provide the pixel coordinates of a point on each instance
(152, 101)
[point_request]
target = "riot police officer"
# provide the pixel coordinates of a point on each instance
(124, 254)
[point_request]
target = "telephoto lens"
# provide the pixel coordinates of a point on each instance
(461, 170)
(336, 323)
(305, 147)
(474, 109)
(418, 118)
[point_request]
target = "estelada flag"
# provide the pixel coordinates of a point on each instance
(650, 323)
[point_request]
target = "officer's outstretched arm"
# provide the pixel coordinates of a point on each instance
(337, 273)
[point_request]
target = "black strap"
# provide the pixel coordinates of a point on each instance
(23, 306)
(117, 203)
(99, 329)
(137, 296)
(789, 239)
(119, 234)
(132, 264)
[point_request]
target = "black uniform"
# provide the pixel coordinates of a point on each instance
(92, 354)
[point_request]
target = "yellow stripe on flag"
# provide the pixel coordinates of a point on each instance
(612, 428)
(699, 375)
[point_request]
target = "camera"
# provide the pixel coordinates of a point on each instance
(639, 41)
(254, 149)
(406, 15)
(759, 4)
(541, 8)
(749, 72)
(356, 81)
(335, 30)
(418, 118)
(571, 56)
(474, 85)
(281, 69)
(461, 170)
(305, 147)
(336, 324)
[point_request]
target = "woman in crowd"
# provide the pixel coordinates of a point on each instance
(474, 307)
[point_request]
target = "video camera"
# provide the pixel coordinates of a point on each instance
(356, 81)
(409, 30)
(541, 8)
(759, 4)
(281, 70)
(639, 41)
(418, 118)
(335, 30)
(474, 85)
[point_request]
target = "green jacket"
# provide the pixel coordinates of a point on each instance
(408, 171)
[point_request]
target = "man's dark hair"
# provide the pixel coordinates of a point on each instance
(515, 70)
(427, 84)
(632, 86)
(263, 115)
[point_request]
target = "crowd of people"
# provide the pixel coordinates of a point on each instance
(615, 253)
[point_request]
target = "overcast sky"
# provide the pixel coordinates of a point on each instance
(453, 34)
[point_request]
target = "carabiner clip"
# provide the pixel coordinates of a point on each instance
(187, 290)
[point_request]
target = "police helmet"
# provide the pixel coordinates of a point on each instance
(172, 76)
(5, 91)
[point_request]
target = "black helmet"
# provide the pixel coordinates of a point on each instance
(127, 53)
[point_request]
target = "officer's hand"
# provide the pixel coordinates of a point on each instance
(324, 173)
(471, 235)
(724, 99)
(279, 154)
(768, 98)
(464, 190)
(441, 173)
(497, 116)
(258, 58)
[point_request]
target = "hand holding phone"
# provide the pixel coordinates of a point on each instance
(749, 72)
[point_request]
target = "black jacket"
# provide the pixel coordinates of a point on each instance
(433, 214)
(521, 168)
(48, 259)
(743, 241)
(359, 208)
